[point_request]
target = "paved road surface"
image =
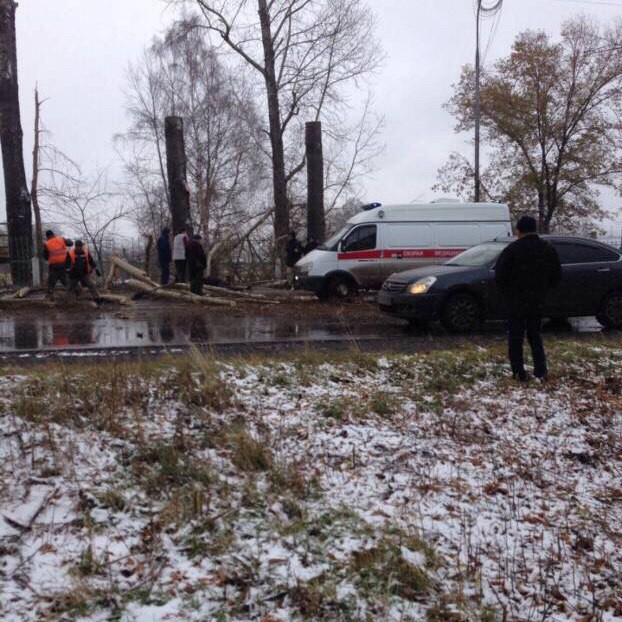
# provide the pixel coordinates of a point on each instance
(151, 330)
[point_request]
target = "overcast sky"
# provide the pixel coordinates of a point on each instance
(78, 52)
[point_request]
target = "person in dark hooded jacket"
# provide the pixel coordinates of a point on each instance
(524, 273)
(165, 255)
(197, 262)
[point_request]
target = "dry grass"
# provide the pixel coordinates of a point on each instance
(223, 473)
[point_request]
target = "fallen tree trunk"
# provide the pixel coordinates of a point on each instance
(223, 291)
(160, 292)
(111, 275)
(132, 270)
(21, 293)
(24, 291)
(231, 237)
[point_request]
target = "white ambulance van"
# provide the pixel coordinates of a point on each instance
(381, 240)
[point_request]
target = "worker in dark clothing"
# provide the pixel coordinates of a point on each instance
(197, 262)
(293, 252)
(311, 245)
(55, 252)
(79, 265)
(165, 255)
(525, 271)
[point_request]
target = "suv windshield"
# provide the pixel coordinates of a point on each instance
(331, 243)
(479, 255)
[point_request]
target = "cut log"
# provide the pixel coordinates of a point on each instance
(132, 270)
(23, 292)
(111, 274)
(160, 292)
(223, 291)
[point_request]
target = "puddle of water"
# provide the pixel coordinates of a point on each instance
(19, 334)
(166, 329)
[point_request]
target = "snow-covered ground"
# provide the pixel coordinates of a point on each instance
(393, 488)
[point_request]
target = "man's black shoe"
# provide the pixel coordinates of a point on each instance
(521, 376)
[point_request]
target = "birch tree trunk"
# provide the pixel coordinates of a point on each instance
(19, 215)
(279, 178)
(34, 186)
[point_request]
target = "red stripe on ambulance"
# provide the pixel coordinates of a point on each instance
(407, 253)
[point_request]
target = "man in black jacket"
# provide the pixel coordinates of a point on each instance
(165, 255)
(197, 262)
(525, 271)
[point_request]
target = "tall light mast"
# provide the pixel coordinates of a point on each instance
(482, 11)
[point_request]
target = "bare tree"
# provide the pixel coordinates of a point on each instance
(86, 205)
(305, 52)
(180, 74)
(19, 215)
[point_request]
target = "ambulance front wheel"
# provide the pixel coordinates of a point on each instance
(339, 287)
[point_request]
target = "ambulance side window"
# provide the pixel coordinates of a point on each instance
(360, 239)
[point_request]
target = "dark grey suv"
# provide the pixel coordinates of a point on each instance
(462, 293)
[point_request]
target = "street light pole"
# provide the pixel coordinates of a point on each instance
(478, 112)
(487, 11)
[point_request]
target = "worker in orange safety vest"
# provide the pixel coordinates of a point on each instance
(55, 252)
(79, 264)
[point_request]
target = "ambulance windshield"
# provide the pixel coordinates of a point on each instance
(333, 241)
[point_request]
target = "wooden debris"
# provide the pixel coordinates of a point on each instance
(162, 292)
(224, 292)
(23, 292)
(112, 273)
(20, 293)
(248, 297)
(139, 274)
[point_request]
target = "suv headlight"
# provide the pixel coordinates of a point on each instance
(422, 286)
(305, 268)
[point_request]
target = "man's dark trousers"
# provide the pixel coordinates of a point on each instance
(57, 272)
(165, 273)
(518, 325)
(196, 280)
(180, 270)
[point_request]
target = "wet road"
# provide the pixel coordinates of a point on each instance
(149, 331)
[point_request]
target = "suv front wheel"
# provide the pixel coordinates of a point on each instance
(610, 313)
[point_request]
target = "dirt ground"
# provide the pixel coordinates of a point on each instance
(363, 310)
